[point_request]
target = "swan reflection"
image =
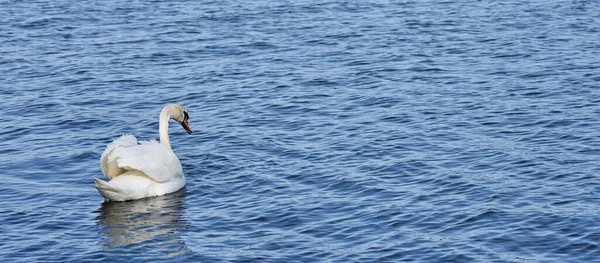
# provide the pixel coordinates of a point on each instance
(154, 222)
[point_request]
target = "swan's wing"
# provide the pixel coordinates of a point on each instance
(152, 158)
(123, 141)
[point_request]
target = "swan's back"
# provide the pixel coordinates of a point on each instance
(109, 167)
(138, 170)
(155, 160)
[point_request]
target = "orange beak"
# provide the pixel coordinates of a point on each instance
(186, 126)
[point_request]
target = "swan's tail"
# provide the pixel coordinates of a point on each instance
(110, 192)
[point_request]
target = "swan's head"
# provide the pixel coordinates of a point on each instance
(179, 114)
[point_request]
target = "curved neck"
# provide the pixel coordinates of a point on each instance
(163, 127)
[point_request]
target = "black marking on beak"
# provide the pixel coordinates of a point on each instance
(185, 124)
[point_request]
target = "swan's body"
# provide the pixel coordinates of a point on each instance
(146, 169)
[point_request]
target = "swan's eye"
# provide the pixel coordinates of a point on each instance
(185, 115)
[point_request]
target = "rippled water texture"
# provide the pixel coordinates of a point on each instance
(426, 131)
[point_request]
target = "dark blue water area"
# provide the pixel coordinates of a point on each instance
(380, 131)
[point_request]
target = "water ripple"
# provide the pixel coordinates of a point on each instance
(342, 132)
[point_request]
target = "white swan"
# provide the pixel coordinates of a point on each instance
(146, 169)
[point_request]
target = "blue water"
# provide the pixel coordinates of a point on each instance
(424, 131)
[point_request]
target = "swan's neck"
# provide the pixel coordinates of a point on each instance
(163, 127)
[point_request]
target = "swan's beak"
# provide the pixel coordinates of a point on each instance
(186, 126)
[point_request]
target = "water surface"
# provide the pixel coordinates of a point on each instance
(427, 131)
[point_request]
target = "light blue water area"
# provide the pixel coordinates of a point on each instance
(425, 131)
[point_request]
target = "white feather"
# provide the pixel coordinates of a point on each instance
(140, 170)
